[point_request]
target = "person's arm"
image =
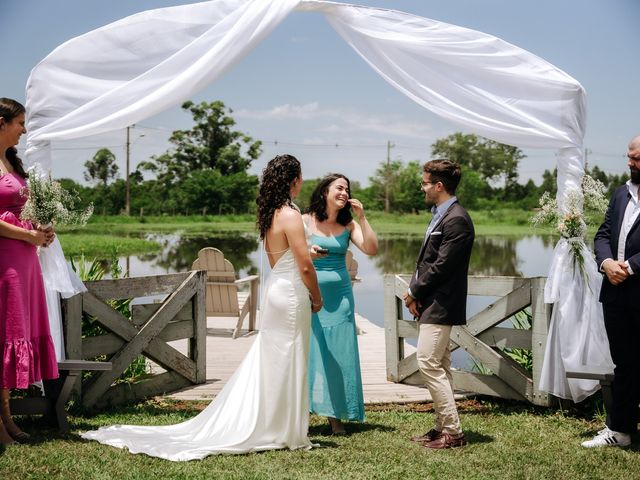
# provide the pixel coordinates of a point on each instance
(294, 231)
(362, 235)
(602, 239)
(615, 271)
(34, 237)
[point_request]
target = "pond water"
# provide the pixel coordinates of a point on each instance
(527, 256)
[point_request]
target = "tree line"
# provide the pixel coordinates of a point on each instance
(205, 171)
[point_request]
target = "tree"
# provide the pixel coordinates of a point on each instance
(492, 160)
(211, 144)
(472, 189)
(304, 197)
(599, 175)
(101, 168)
(404, 186)
(210, 191)
(549, 182)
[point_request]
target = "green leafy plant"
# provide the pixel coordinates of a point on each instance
(522, 356)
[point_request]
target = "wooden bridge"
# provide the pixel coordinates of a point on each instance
(225, 354)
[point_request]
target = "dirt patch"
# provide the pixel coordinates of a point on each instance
(464, 406)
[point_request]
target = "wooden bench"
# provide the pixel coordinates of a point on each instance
(603, 374)
(57, 393)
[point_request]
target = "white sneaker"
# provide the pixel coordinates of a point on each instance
(608, 438)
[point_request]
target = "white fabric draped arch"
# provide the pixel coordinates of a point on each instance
(141, 65)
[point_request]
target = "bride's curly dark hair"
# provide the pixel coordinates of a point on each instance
(275, 188)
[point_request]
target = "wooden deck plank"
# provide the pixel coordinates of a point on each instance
(225, 354)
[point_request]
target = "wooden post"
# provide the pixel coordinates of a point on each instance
(393, 349)
(198, 343)
(540, 318)
(72, 331)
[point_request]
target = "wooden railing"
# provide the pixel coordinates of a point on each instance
(181, 315)
(481, 337)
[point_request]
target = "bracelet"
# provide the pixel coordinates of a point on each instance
(315, 304)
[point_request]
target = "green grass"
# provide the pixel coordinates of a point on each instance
(506, 440)
(98, 245)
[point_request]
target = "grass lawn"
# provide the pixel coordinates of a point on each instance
(507, 440)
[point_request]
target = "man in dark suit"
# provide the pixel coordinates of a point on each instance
(437, 296)
(617, 246)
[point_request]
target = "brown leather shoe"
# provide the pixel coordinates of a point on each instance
(446, 440)
(430, 436)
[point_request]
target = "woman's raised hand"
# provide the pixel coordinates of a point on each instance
(357, 207)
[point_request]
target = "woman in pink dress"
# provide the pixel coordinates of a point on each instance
(27, 353)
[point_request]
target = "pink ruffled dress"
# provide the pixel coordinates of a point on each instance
(26, 347)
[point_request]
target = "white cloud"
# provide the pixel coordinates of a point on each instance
(343, 120)
(281, 112)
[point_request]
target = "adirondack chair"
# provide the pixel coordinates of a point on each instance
(223, 298)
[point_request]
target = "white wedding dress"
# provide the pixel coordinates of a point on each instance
(265, 404)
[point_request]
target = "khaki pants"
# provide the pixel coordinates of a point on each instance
(434, 361)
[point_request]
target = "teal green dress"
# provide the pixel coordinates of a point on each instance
(335, 383)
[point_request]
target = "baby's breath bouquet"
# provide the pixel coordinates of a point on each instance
(50, 203)
(582, 209)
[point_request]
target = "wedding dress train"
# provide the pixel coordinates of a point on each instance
(265, 404)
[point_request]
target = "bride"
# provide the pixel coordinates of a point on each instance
(265, 404)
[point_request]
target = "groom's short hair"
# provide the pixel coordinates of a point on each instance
(445, 171)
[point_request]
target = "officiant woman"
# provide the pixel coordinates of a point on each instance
(335, 220)
(26, 350)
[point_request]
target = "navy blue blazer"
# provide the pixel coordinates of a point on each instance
(440, 280)
(606, 246)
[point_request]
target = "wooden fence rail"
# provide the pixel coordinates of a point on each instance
(180, 315)
(482, 338)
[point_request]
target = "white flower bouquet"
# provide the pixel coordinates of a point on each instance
(582, 209)
(50, 203)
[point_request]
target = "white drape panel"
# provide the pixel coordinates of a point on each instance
(136, 67)
(141, 65)
(576, 335)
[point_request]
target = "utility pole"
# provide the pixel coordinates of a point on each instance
(586, 158)
(388, 176)
(127, 202)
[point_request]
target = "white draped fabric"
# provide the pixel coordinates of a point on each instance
(576, 335)
(60, 281)
(139, 66)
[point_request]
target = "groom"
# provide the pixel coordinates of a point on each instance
(437, 296)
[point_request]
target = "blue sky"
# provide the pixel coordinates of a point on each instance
(305, 89)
